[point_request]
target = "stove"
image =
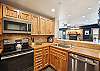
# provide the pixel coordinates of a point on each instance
(17, 60)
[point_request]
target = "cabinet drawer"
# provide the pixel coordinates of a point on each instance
(38, 58)
(38, 53)
(37, 50)
(38, 62)
(38, 67)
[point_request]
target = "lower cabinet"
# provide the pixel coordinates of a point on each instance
(58, 59)
(45, 56)
(55, 57)
(38, 62)
(41, 58)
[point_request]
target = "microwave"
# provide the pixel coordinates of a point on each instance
(12, 26)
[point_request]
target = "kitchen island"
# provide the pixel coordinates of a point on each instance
(49, 54)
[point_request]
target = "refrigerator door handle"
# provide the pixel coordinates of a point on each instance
(76, 65)
(73, 61)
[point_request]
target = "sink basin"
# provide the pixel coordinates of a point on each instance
(63, 46)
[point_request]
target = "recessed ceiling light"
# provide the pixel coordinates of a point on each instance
(69, 15)
(89, 8)
(52, 10)
(83, 16)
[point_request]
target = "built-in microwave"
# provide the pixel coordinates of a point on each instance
(13, 26)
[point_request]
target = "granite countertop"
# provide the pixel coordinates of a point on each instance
(40, 46)
(86, 52)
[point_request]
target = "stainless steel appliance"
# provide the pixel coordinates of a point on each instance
(15, 26)
(13, 60)
(73, 37)
(79, 63)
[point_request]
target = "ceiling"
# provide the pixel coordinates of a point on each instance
(72, 12)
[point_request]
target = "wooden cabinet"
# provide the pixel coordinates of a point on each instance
(49, 27)
(24, 16)
(41, 58)
(45, 56)
(10, 12)
(42, 26)
(0, 18)
(58, 59)
(0, 26)
(1, 42)
(38, 60)
(35, 25)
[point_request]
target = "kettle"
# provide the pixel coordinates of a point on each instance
(50, 39)
(18, 47)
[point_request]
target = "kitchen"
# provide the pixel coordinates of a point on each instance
(37, 37)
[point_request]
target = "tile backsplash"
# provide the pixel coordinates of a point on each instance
(34, 38)
(14, 37)
(39, 38)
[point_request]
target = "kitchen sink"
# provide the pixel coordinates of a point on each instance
(63, 45)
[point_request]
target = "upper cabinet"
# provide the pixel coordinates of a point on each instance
(35, 25)
(42, 26)
(25, 16)
(50, 27)
(10, 12)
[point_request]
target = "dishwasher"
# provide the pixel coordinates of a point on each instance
(80, 63)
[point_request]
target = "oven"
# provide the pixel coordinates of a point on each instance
(72, 37)
(18, 61)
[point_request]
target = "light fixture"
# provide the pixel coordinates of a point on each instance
(52, 10)
(83, 16)
(69, 15)
(89, 8)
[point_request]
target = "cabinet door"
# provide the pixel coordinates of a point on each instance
(42, 25)
(0, 26)
(58, 59)
(38, 61)
(45, 56)
(24, 15)
(10, 12)
(52, 58)
(35, 26)
(64, 62)
(49, 27)
(52, 25)
(0, 19)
